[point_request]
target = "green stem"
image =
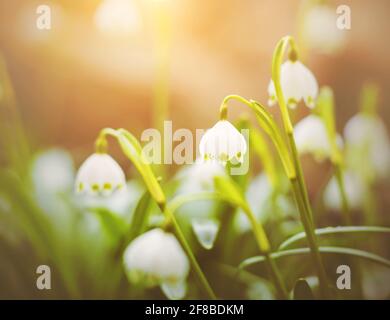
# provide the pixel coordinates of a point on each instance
(299, 186)
(133, 151)
(277, 278)
(264, 246)
(302, 198)
(344, 200)
(202, 278)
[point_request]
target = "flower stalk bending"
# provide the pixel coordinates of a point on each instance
(299, 186)
(132, 149)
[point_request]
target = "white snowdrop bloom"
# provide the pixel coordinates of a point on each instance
(223, 143)
(311, 137)
(320, 29)
(368, 143)
(100, 174)
(157, 258)
(297, 82)
(354, 189)
(117, 17)
(196, 178)
(199, 176)
(258, 196)
(53, 171)
(206, 231)
(121, 202)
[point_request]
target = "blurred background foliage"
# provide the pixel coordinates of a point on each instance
(58, 88)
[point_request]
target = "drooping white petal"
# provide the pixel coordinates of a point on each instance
(354, 189)
(206, 231)
(223, 143)
(368, 143)
(100, 174)
(297, 83)
(311, 137)
(199, 176)
(174, 291)
(157, 254)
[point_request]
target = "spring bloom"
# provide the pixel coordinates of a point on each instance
(320, 29)
(354, 189)
(199, 176)
(100, 174)
(53, 172)
(297, 82)
(368, 144)
(223, 143)
(311, 137)
(157, 258)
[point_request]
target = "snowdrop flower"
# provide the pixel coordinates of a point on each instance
(53, 171)
(367, 135)
(196, 178)
(223, 143)
(320, 29)
(122, 202)
(199, 176)
(297, 82)
(354, 189)
(100, 174)
(311, 137)
(157, 257)
(259, 195)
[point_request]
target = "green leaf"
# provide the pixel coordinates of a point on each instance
(133, 150)
(302, 290)
(140, 217)
(230, 192)
(111, 223)
(335, 230)
(328, 250)
(180, 200)
(138, 223)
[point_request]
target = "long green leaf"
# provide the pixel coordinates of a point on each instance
(329, 250)
(335, 230)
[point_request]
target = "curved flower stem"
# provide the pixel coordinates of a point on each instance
(264, 246)
(299, 186)
(293, 170)
(261, 237)
(325, 105)
(268, 124)
(132, 149)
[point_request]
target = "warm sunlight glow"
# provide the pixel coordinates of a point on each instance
(117, 17)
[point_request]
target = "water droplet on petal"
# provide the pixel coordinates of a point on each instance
(174, 291)
(206, 231)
